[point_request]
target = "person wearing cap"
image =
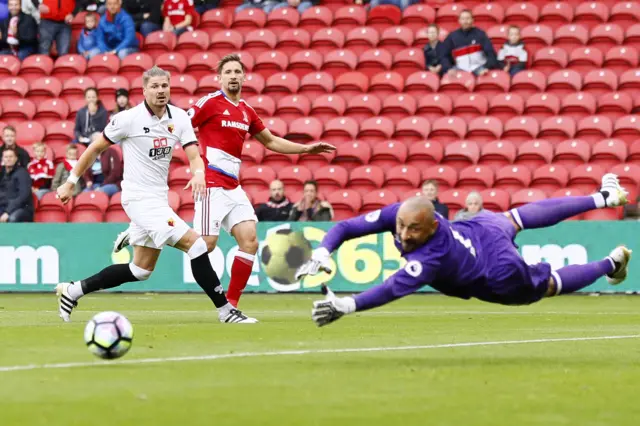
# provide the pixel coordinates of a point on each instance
(122, 102)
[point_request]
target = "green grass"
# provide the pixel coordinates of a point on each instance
(549, 383)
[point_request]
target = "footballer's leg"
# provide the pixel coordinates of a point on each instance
(545, 213)
(245, 234)
(576, 277)
(144, 262)
(196, 248)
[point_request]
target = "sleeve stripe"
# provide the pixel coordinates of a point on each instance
(184, 145)
(107, 138)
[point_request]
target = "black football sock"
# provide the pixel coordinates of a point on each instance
(109, 277)
(208, 280)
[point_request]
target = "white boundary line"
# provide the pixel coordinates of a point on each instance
(302, 352)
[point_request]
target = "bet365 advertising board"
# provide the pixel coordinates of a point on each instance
(34, 257)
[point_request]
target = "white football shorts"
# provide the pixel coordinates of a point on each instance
(222, 208)
(153, 223)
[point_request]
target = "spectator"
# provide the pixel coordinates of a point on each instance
(16, 202)
(467, 49)
(513, 55)
(310, 208)
(402, 4)
(146, 14)
(31, 8)
(18, 33)
(87, 42)
(41, 171)
(116, 31)
(9, 139)
(55, 24)
(64, 168)
(94, 6)
(112, 169)
(203, 6)
(269, 5)
(430, 190)
(473, 205)
(122, 102)
(178, 16)
(90, 119)
(431, 57)
(278, 208)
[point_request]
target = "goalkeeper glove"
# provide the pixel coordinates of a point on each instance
(319, 262)
(332, 308)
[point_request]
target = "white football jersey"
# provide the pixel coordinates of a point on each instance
(147, 147)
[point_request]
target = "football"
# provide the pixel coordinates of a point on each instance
(283, 253)
(108, 335)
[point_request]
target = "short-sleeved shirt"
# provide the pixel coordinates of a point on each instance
(177, 10)
(223, 127)
(147, 147)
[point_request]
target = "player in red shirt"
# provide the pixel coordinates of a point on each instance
(178, 15)
(224, 120)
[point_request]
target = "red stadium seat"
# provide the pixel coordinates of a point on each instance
(527, 83)
(425, 154)
(421, 83)
(627, 128)
(293, 107)
(585, 58)
(418, 16)
(556, 129)
(108, 86)
(361, 107)
(537, 37)
(578, 105)
(495, 200)
(549, 59)
(608, 153)
(446, 129)
(388, 154)
(526, 196)
(520, 129)
(542, 106)
(484, 129)
(497, 154)
(374, 61)
(487, 14)
(398, 106)
(361, 39)
(252, 153)
(192, 42)
(376, 200)
(345, 203)
(411, 129)
(316, 84)
(408, 61)
(629, 175)
(454, 199)
(348, 17)
(549, 178)
(594, 128)
(493, 83)
(384, 16)
(50, 209)
(331, 178)
(434, 106)
(366, 178)
(315, 18)
(605, 37)
(556, 14)
(256, 178)
(13, 88)
(625, 13)
(340, 129)
(630, 82)
(591, 14)
(294, 176)
(9, 65)
(327, 40)
(249, 19)
(446, 176)
(512, 178)
(102, 66)
(505, 106)
(36, 66)
(89, 207)
(263, 105)
(209, 84)
(621, 58)
(572, 153)
(60, 131)
(476, 178)
(599, 82)
(461, 154)
(304, 130)
(292, 40)
(225, 42)
(269, 63)
(68, 66)
(458, 83)
(395, 39)
(521, 14)
(51, 110)
(570, 36)
(386, 84)
(614, 105)
(29, 132)
(469, 106)
(564, 82)
(134, 65)
(447, 15)
(305, 62)
(586, 177)
(353, 154)
(258, 42)
(327, 107)
(44, 88)
(632, 36)
(159, 42)
(16, 111)
(534, 154)
(277, 161)
(174, 62)
(498, 34)
(338, 62)
(316, 161)
(277, 126)
(216, 19)
(402, 178)
(281, 84)
(115, 211)
(376, 129)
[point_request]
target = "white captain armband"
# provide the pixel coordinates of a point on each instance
(73, 178)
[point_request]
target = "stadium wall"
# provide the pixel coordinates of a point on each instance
(34, 257)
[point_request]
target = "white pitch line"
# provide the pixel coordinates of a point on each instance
(214, 357)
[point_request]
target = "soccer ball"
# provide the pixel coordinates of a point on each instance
(283, 253)
(108, 335)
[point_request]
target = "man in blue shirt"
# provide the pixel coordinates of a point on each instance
(116, 33)
(475, 258)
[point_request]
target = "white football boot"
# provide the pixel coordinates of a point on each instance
(236, 317)
(122, 241)
(614, 194)
(621, 257)
(65, 302)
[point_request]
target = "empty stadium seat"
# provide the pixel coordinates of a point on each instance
(571, 153)
(256, 178)
(331, 178)
(346, 203)
(364, 179)
(578, 105)
(377, 199)
(304, 129)
(512, 178)
(89, 207)
(316, 84)
(388, 154)
(609, 152)
(411, 129)
(526, 196)
(497, 154)
(294, 176)
(549, 178)
(293, 107)
(352, 154)
(425, 154)
(475, 178)
(495, 200)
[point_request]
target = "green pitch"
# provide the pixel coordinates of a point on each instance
(273, 374)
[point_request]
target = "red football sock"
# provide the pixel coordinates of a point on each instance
(240, 273)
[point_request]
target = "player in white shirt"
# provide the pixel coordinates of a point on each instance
(147, 134)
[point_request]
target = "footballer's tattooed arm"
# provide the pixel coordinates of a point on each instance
(283, 146)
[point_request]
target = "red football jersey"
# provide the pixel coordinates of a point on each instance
(223, 128)
(177, 10)
(41, 172)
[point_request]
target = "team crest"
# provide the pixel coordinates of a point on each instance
(170, 127)
(245, 117)
(171, 222)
